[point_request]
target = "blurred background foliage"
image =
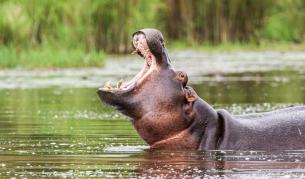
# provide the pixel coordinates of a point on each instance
(34, 28)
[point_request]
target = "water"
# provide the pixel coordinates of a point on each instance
(53, 124)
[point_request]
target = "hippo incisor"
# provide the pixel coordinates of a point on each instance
(167, 114)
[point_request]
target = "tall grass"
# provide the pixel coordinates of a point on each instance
(92, 26)
(106, 25)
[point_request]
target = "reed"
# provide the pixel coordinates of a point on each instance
(106, 25)
(49, 58)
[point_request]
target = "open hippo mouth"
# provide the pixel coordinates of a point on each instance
(126, 96)
(141, 47)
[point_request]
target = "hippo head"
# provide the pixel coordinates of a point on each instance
(157, 98)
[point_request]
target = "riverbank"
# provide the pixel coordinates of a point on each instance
(49, 58)
(235, 47)
(52, 58)
(200, 67)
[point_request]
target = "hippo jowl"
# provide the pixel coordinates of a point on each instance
(168, 114)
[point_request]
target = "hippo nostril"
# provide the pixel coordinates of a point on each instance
(136, 38)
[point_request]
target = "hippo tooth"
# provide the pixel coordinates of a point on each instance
(134, 52)
(120, 83)
(108, 85)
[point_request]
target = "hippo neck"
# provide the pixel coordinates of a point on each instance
(206, 125)
(201, 134)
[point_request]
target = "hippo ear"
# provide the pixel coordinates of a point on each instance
(190, 96)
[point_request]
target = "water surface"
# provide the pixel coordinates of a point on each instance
(53, 124)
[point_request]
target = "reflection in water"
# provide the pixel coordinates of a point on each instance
(274, 87)
(235, 164)
(64, 131)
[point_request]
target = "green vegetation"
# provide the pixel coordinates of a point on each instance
(49, 33)
(238, 46)
(49, 58)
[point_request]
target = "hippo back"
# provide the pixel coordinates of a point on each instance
(282, 129)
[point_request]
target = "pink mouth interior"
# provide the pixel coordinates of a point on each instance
(140, 45)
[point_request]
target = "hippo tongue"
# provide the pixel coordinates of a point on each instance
(149, 60)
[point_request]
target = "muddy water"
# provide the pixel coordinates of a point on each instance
(53, 125)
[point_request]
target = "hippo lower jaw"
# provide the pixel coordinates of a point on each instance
(121, 86)
(109, 93)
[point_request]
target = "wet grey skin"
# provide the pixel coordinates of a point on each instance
(168, 114)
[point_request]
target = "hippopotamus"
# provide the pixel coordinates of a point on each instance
(168, 114)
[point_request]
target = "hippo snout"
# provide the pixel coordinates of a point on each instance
(105, 96)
